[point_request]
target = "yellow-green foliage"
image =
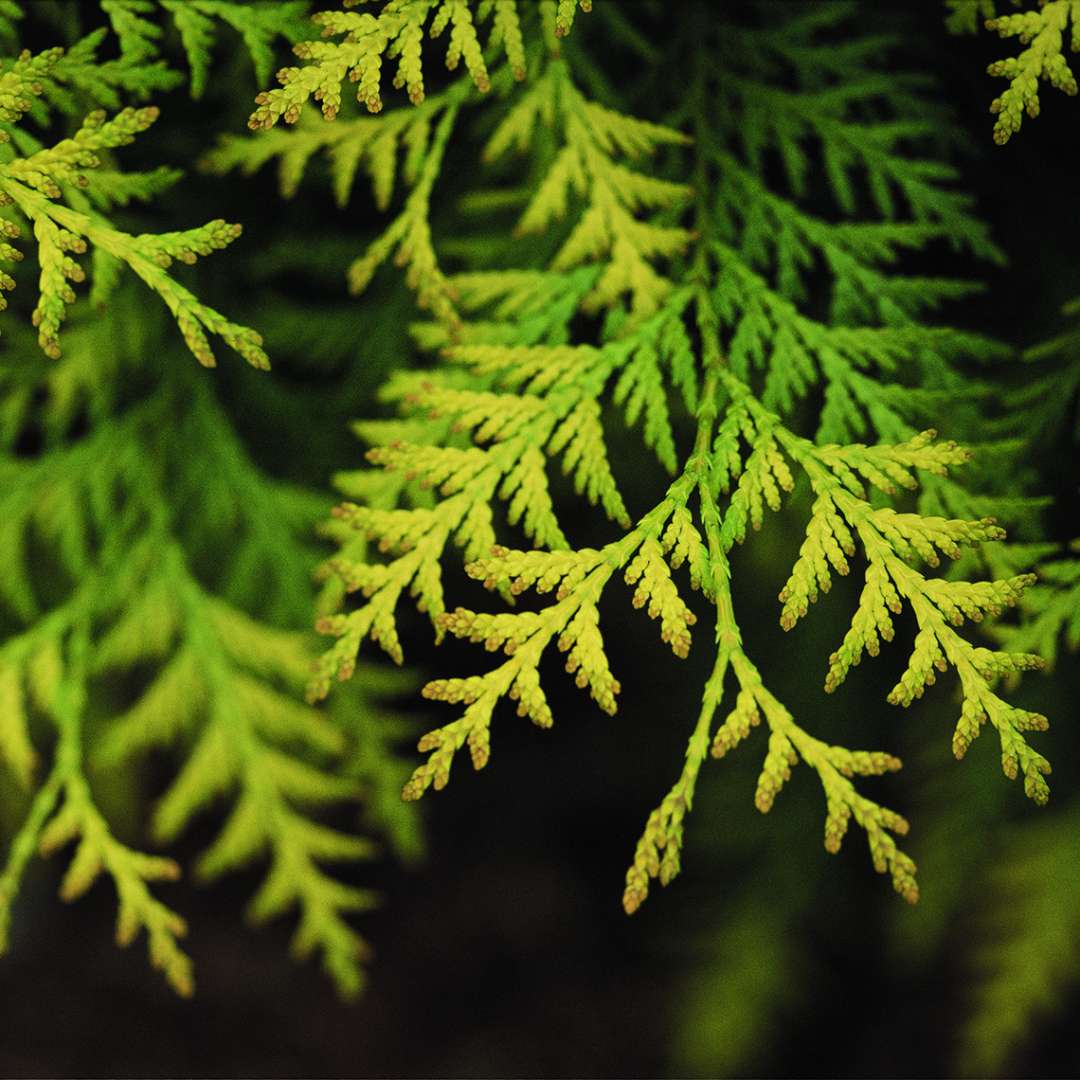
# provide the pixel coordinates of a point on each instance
(221, 697)
(613, 228)
(1044, 33)
(1027, 934)
(105, 580)
(1046, 403)
(396, 32)
(708, 340)
(56, 191)
(725, 282)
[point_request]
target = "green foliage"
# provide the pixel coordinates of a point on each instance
(1052, 610)
(397, 32)
(219, 696)
(677, 303)
(966, 16)
(1028, 940)
(47, 187)
(217, 683)
(258, 24)
(1043, 32)
(1047, 403)
(1027, 950)
(730, 1007)
(106, 531)
(728, 338)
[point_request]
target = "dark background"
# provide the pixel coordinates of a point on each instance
(505, 951)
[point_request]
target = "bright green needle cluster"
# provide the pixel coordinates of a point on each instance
(1051, 608)
(373, 143)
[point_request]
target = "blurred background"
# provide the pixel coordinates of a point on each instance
(503, 950)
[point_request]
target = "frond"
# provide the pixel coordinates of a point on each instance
(219, 681)
(1042, 33)
(63, 811)
(608, 231)
(731, 346)
(1050, 611)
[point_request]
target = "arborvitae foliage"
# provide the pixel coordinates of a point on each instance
(1027, 931)
(259, 24)
(63, 195)
(1044, 34)
(113, 534)
(707, 338)
(724, 272)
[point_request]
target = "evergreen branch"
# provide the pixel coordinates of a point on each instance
(608, 230)
(258, 24)
(397, 32)
(64, 811)
(1050, 611)
(238, 748)
(746, 302)
(1042, 33)
(35, 185)
(220, 696)
(1028, 939)
(99, 852)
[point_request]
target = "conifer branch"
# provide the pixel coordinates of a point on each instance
(734, 341)
(37, 186)
(258, 24)
(220, 698)
(727, 282)
(397, 32)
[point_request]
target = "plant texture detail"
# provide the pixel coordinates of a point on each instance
(663, 342)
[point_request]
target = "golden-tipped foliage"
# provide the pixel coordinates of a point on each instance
(56, 191)
(713, 359)
(397, 32)
(1044, 34)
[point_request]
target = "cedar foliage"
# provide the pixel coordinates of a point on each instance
(723, 271)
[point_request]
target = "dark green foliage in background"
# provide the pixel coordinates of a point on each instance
(161, 526)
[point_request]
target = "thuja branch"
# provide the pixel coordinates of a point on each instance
(658, 851)
(728, 337)
(46, 188)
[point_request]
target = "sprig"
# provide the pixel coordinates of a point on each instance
(1042, 33)
(43, 187)
(397, 33)
(258, 24)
